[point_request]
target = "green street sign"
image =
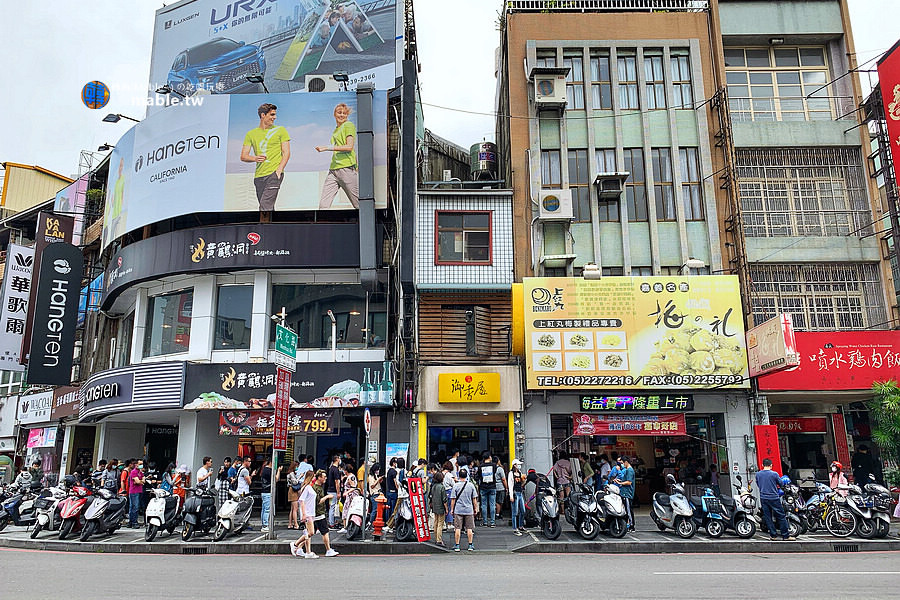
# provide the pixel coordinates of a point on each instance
(285, 341)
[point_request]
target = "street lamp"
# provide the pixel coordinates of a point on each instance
(168, 89)
(333, 336)
(257, 79)
(116, 117)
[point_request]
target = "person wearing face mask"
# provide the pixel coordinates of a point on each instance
(836, 478)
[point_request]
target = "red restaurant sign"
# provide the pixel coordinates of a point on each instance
(889, 81)
(839, 360)
(767, 445)
(417, 503)
(629, 424)
(282, 407)
(800, 424)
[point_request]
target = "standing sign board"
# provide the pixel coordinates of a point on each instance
(17, 284)
(282, 407)
(417, 502)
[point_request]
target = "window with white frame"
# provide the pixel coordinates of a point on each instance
(682, 90)
(601, 83)
(626, 62)
(545, 57)
(654, 76)
(10, 383)
(635, 189)
(168, 324)
(778, 84)
(820, 297)
(580, 184)
(795, 192)
(551, 169)
(574, 80)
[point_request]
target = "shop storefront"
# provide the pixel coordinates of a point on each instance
(650, 367)
(820, 407)
(469, 409)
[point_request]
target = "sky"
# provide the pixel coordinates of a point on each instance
(54, 47)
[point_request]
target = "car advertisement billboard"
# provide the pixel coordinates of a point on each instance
(237, 153)
(213, 46)
(634, 332)
(839, 360)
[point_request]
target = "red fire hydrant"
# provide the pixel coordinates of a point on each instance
(379, 517)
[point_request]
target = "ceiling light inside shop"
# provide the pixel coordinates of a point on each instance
(355, 313)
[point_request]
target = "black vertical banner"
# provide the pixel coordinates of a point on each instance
(55, 314)
(51, 229)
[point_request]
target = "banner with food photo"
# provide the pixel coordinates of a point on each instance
(251, 386)
(635, 333)
(258, 422)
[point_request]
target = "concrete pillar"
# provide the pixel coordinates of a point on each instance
(140, 320)
(259, 323)
(536, 421)
(203, 316)
(739, 429)
(198, 436)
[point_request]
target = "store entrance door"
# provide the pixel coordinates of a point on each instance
(470, 436)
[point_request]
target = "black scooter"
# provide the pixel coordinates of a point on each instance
(200, 512)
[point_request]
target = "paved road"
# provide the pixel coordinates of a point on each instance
(27, 575)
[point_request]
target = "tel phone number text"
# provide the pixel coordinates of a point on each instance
(619, 380)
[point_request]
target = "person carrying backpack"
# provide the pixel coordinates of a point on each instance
(500, 484)
(488, 488)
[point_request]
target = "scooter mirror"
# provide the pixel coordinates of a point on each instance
(738, 477)
(670, 479)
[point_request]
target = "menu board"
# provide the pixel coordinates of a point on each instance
(635, 333)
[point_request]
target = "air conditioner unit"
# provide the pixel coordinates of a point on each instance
(323, 83)
(550, 91)
(610, 185)
(555, 205)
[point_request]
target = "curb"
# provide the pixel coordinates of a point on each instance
(688, 547)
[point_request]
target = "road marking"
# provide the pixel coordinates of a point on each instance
(755, 573)
(262, 537)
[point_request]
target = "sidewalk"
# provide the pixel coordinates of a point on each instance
(647, 539)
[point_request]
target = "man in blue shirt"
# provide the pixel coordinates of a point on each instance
(626, 488)
(768, 485)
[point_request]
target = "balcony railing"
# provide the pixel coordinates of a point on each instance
(605, 5)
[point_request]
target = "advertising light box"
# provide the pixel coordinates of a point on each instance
(212, 46)
(224, 156)
(635, 333)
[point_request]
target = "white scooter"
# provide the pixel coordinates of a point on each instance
(233, 515)
(163, 512)
(356, 516)
(404, 527)
(48, 517)
(673, 511)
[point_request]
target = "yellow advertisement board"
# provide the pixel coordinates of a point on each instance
(635, 333)
(469, 387)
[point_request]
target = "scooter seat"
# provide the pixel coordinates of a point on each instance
(696, 501)
(661, 499)
(727, 501)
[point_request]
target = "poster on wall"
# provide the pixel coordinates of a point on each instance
(635, 333)
(212, 47)
(254, 152)
(251, 386)
(262, 423)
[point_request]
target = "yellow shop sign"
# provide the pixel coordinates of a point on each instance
(469, 387)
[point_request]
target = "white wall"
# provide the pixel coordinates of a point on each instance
(122, 440)
(198, 436)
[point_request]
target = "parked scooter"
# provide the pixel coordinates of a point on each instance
(104, 515)
(737, 517)
(19, 508)
(72, 508)
(48, 510)
(163, 512)
(708, 513)
(199, 512)
(356, 516)
(794, 507)
(867, 526)
(404, 527)
(547, 508)
(673, 511)
(611, 511)
(233, 515)
(748, 501)
(878, 499)
(581, 511)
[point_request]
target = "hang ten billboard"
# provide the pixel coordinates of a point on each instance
(55, 312)
(222, 156)
(635, 332)
(839, 360)
(14, 310)
(211, 46)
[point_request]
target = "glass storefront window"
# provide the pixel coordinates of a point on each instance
(307, 307)
(233, 316)
(168, 325)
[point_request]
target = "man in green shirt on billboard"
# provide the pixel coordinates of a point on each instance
(271, 146)
(343, 173)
